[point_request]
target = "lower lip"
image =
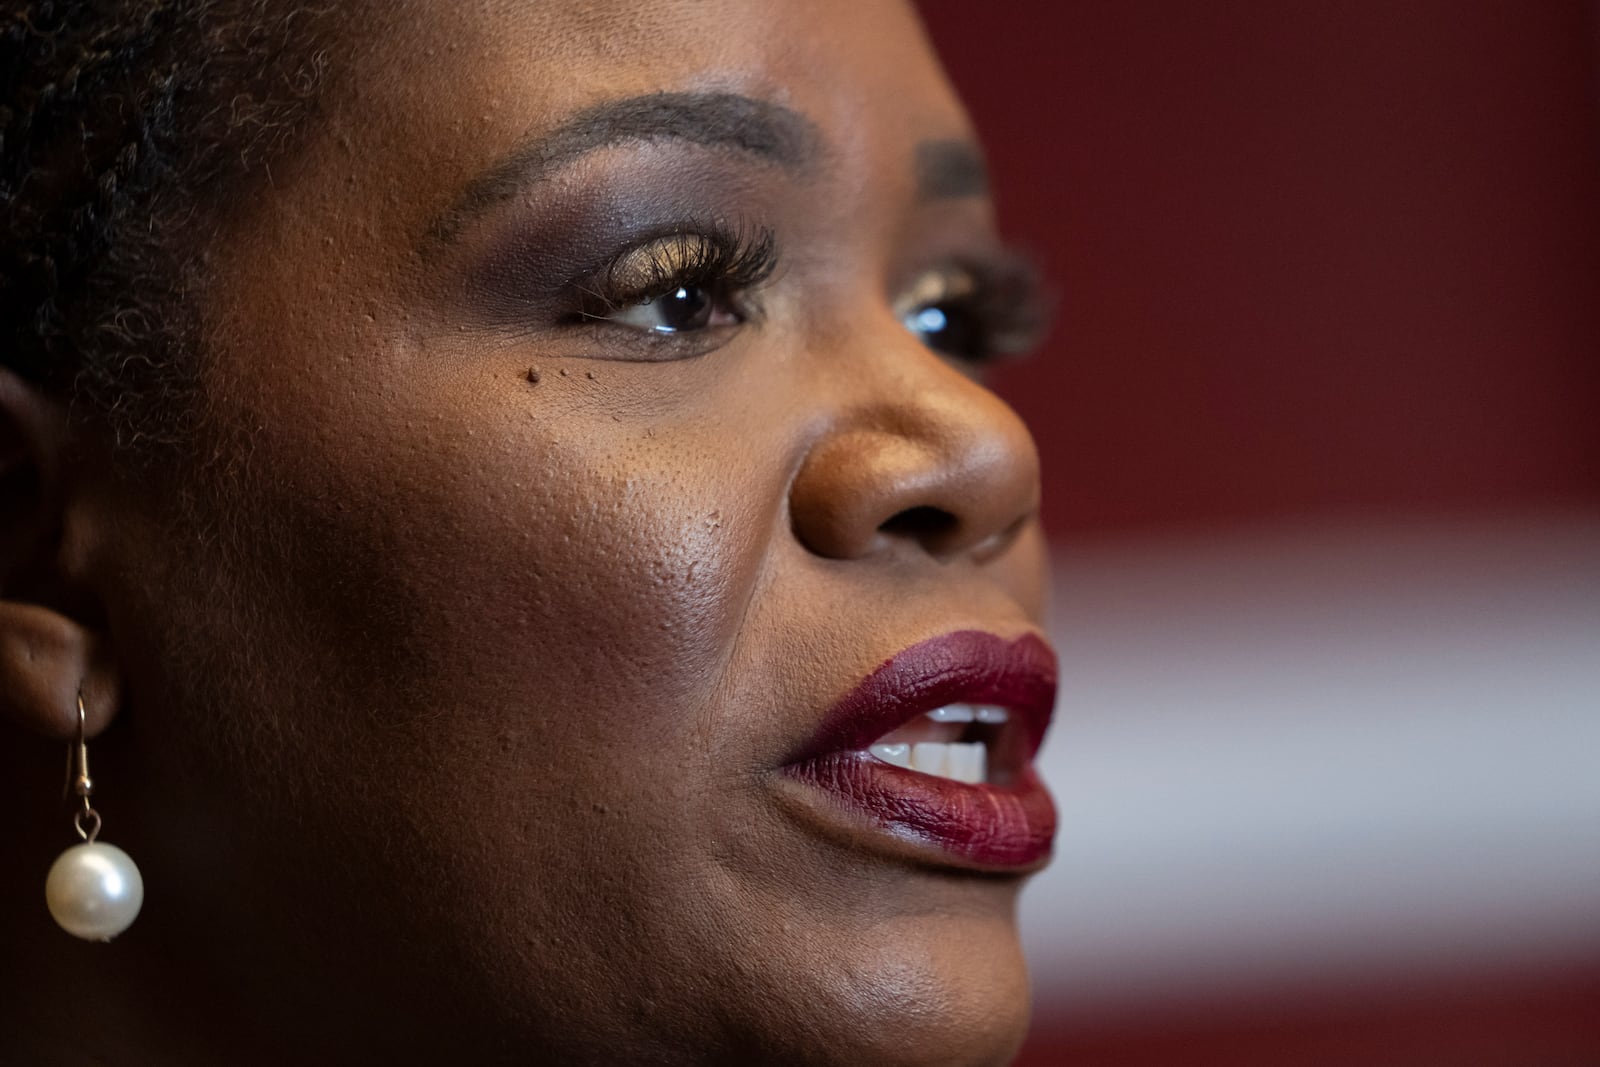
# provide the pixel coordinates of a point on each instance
(992, 827)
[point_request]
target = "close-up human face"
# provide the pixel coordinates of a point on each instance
(596, 491)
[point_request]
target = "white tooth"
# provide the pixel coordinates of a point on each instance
(992, 714)
(964, 760)
(954, 760)
(952, 713)
(899, 755)
(930, 757)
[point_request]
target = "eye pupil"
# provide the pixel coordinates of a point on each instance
(685, 308)
(950, 331)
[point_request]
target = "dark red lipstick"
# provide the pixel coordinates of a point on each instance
(1006, 822)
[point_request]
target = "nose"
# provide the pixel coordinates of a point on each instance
(928, 459)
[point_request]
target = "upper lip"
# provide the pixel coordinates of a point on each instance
(966, 666)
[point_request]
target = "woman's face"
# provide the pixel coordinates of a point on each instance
(589, 420)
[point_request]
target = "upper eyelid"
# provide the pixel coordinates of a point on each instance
(1005, 275)
(946, 282)
(747, 254)
(602, 268)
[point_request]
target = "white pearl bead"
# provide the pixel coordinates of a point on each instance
(94, 891)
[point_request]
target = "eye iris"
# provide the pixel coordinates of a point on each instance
(685, 308)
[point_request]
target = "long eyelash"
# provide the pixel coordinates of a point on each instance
(729, 259)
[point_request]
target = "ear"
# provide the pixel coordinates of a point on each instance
(52, 642)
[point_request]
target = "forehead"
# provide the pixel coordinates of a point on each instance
(560, 50)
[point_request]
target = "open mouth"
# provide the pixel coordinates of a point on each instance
(965, 743)
(934, 750)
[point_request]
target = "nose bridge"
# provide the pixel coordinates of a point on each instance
(916, 453)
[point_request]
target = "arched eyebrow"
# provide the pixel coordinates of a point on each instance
(950, 170)
(759, 128)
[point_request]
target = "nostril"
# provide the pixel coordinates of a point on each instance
(928, 525)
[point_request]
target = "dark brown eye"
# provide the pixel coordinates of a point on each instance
(974, 314)
(688, 307)
(939, 310)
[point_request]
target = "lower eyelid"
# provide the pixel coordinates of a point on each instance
(606, 339)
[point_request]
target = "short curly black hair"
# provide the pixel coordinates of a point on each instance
(127, 128)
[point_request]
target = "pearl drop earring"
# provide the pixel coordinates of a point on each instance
(94, 890)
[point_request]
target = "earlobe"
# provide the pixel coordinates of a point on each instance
(45, 658)
(46, 654)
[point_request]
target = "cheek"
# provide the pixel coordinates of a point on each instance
(577, 584)
(1025, 571)
(503, 637)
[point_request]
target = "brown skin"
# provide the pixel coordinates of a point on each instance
(448, 705)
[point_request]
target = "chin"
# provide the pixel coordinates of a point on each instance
(922, 991)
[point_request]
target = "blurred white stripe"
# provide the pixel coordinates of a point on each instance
(1328, 755)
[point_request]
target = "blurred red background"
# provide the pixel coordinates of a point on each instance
(1312, 258)
(1316, 263)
